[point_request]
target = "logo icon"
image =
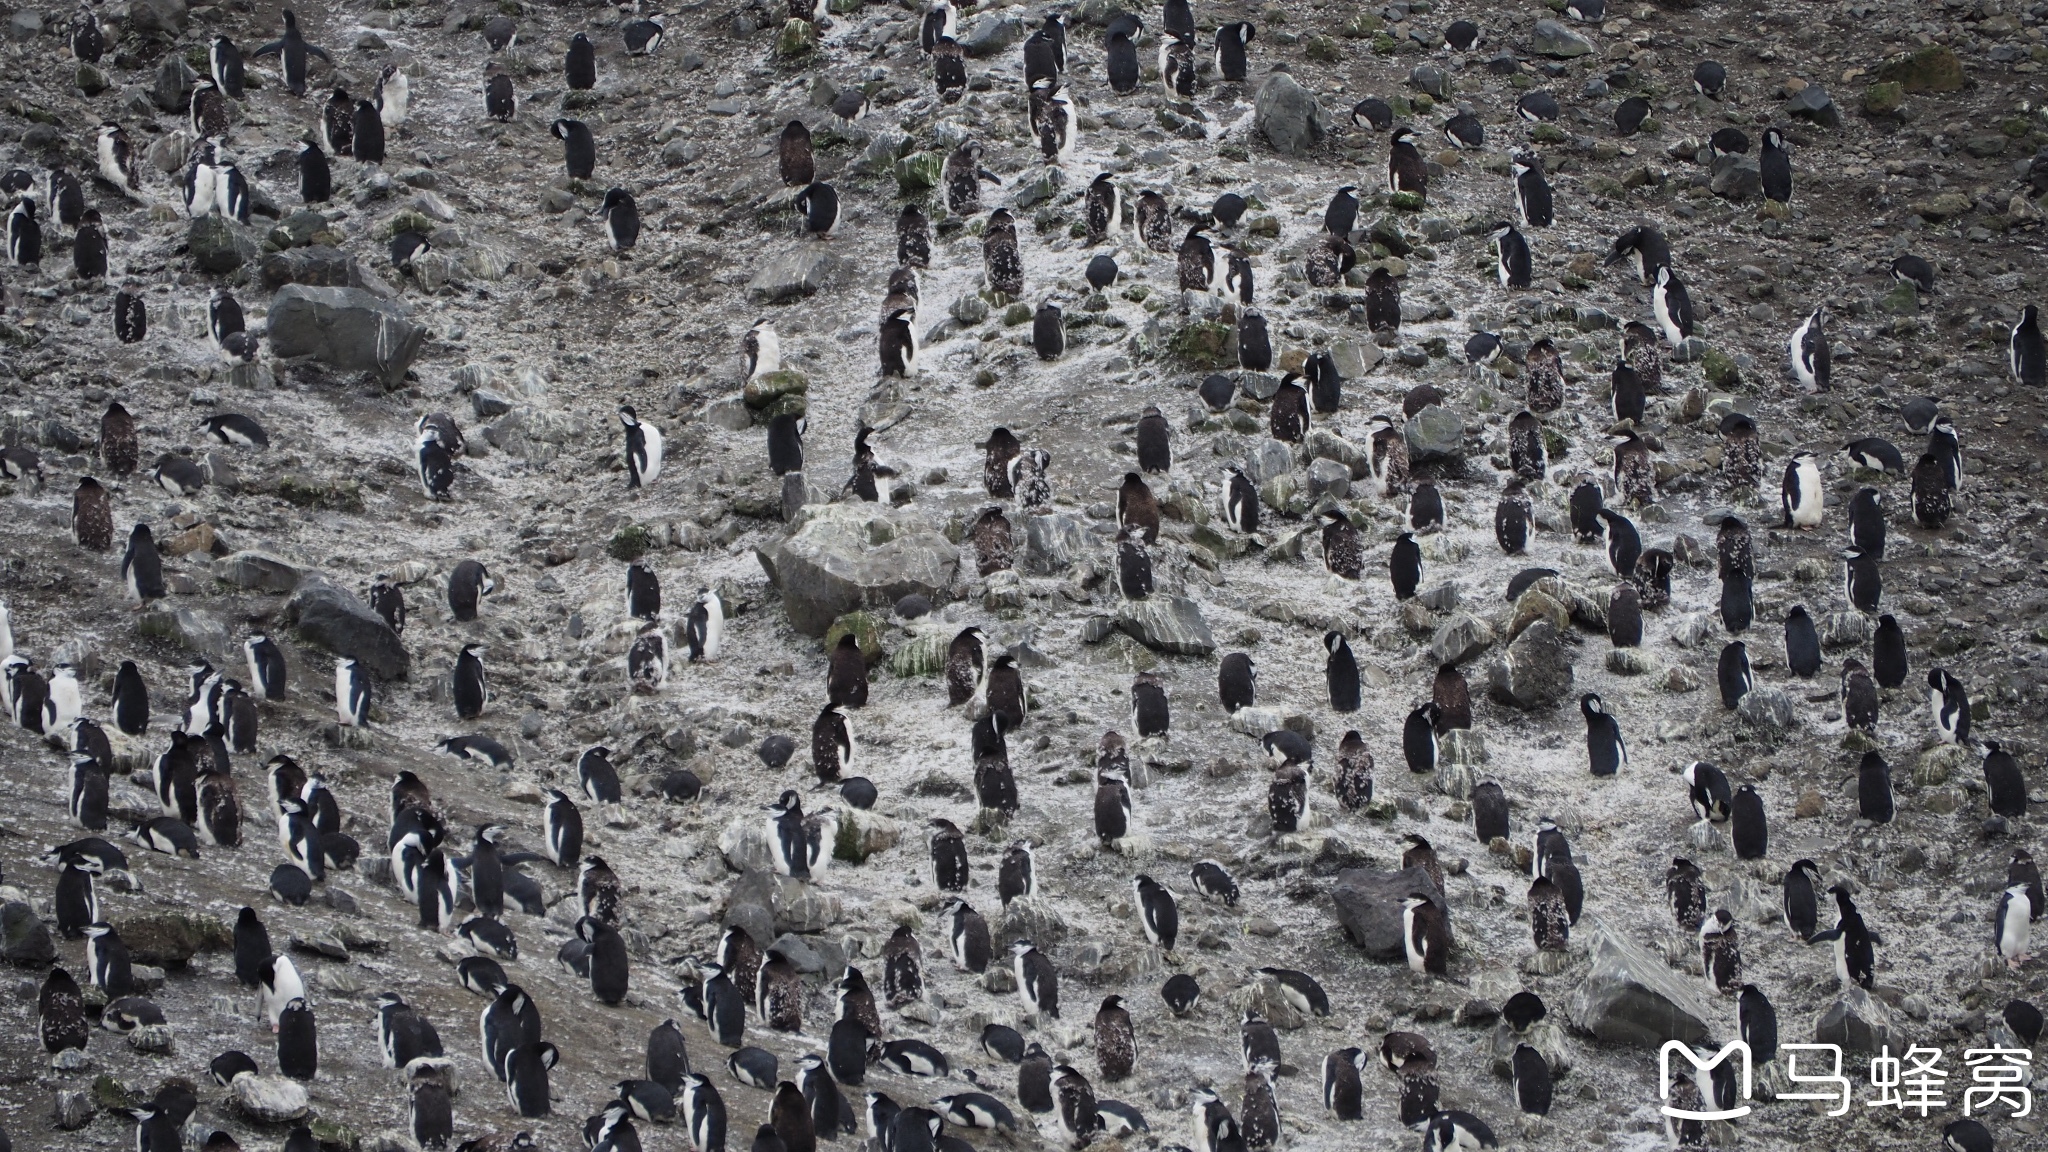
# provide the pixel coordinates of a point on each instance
(1699, 1065)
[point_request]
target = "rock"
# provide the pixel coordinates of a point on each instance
(1736, 178)
(918, 172)
(171, 939)
(1630, 662)
(744, 845)
(1051, 542)
(991, 34)
(806, 909)
(337, 620)
(1813, 103)
(1461, 748)
(1536, 670)
(156, 1038)
(1546, 1036)
(73, 1109)
(798, 39)
(191, 628)
(1883, 99)
(1462, 637)
(159, 18)
(1368, 905)
(864, 832)
(268, 1099)
(1934, 68)
(882, 152)
(793, 274)
(347, 328)
(768, 388)
(1323, 444)
(1435, 433)
(1939, 764)
(90, 80)
(258, 570)
(1257, 722)
(1859, 1023)
(864, 627)
(847, 556)
(174, 80)
(23, 937)
(1632, 997)
(1167, 623)
(1289, 116)
(220, 245)
(24, 25)
(1769, 708)
(1943, 205)
(1328, 478)
(1430, 79)
(1839, 630)
(1553, 39)
(1031, 918)
(318, 266)
(1538, 604)
(1266, 460)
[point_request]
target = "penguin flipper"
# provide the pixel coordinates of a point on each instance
(270, 49)
(1826, 937)
(511, 858)
(316, 50)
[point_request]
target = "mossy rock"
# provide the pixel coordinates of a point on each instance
(862, 833)
(1364, 25)
(793, 405)
(1883, 98)
(1322, 50)
(1720, 369)
(766, 389)
(1935, 68)
(1407, 201)
(409, 221)
(304, 493)
(1547, 134)
(630, 543)
(1938, 764)
(924, 656)
(1016, 314)
(866, 631)
(1204, 344)
(797, 40)
(919, 172)
(1384, 45)
(113, 1096)
(334, 1136)
(90, 80)
(171, 939)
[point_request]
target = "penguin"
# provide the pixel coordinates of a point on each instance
(1914, 270)
(1382, 301)
(643, 449)
(1749, 828)
(1801, 893)
(1120, 53)
(1933, 499)
(561, 829)
(846, 678)
(778, 993)
(1233, 44)
(621, 218)
(819, 205)
(207, 113)
(1874, 801)
(1289, 415)
(468, 686)
(1254, 344)
(1329, 259)
(1950, 705)
(1340, 671)
(1606, 751)
(1733, 674)
(1002, 264)
(1425, 511)
(298, 1045)
(1629, 401)
(1532, 193)
(1017, 875)
(1177, 66)
(1404, 564)
(754, 1067)
(1686, 892)
(24, 235)
(704, 626)
(366, 132)
(1405, 169)
(1647, 246)
(337, 124)
(2005, 784)
(501, 103)
(1859, 696)
(89, 247)
(1800, 491)
(1855, 956)
(526, 1079)
(131, 326)
(119, 163)
(967, 937)
(436, 467)
(1513, 260)
(1672, 305)
(1425, 936)
(1721, 951)
(1866, 523)
(579, 147)
(1544, 387)
(1464, 131)
(1549, 923)
(1237, 682)
(1630, 114)
(1511, 519)
(293, 52)
(579, 65)
(643, 37)
(1113, 813)
(1888, 652)
(1810, 354)
(1037, 982)
(1340, 217)
(1776, 162)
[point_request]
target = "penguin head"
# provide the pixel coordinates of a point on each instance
(1402, 135)
(1334, 641)
(1590, 704)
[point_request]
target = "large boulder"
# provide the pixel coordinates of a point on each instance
(347, 328)
(161, 18)
(1462, 637)
(991, 34)
(24, 939)
(799, 272)
(1736, 177)
(318, 266)
(173, 84)
(1535, 671)
(171, 939)
(1051, 542)
(1859, 1023)
(1553, 39)
(259, 570)
(1433, 434)
(1631, 996)
(1935, 68)
(1369, 907)
(220, 245)
(338, 620)
(1289, 116)
(1168, 623)
(268, 1099)
(847, 556)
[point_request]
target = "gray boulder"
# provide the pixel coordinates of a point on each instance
(174, 80)
(73, 1108)
(1462, 637)
(1289, 116)
(1167, 623)
(338, 621)
(24, 939)
(1813, 103)
(1860, 1023)
(190, 628)
(347, 328)
(1323, 444)
(1535, 671)
(1736, 178)
(1435, 433)
(268, 1099)
(846, 556)
(1265, 459)
(1431, 79)
(991, 34)
(165, 18)
(1368, 905)
(1328, 478)
(1632, 997)
(24, 26)
(793, 274)
(318, 266)
(1768, 708)
(1553, 39)
(220, 245)
(1051, 543)
(259, 570)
